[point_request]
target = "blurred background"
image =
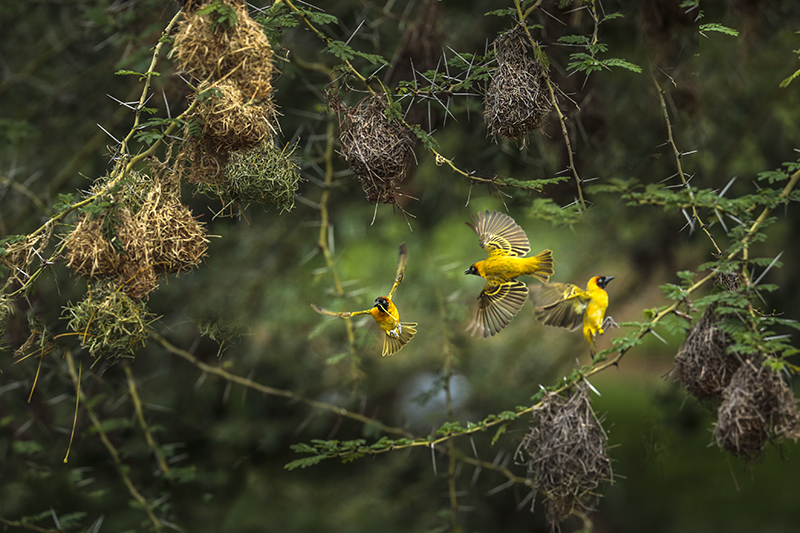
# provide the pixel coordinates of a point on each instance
(227, 444)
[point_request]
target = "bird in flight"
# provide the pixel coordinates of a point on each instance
(503, 295)
(568, 306)
(385, 313)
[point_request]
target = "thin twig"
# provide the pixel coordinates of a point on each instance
(122, 469)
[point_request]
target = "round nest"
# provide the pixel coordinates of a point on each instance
(231, 121)
(265, 175)
(567, 453)
(162, 237)
(517, 99)
(702, 364)
(89, 252)
(108, 322)
(224, 43)
(757, 406)
(172, 239)
(377, 149)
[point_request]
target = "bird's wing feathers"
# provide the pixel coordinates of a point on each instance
(402, 261)
(499, 303)
(561, 304)
(392, 344)
(498, 231)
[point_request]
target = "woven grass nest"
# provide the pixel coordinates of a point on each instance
(108, 322)
(377, 149)
(757, 406)
(138, 239)
(517, 99)
(266, 175)
(240, 53)
(566, 453)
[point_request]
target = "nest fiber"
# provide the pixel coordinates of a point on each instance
(517, 99)
(567, 453)
(757, 406)
(377, 149)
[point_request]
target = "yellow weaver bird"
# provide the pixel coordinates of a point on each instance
(503, 295)
(385, 313)
(568, 306)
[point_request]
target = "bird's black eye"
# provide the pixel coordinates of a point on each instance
(382, 302)
(471, 270)
(602, 281)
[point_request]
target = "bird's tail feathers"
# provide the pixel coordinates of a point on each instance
(544, 268)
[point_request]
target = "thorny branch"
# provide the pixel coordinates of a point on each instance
(678, 157)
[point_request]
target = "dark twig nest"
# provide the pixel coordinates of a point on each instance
(702, 364)
(108, 322)
(567, 453)
(757, 406)
(238, 51)
(265, 175)
(517, 99)
(377, 148)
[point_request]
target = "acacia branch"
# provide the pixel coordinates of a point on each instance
(122, 469)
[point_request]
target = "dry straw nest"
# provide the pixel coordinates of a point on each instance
(756, 406)
(89, 251)
(702, 364)
(230, 120)
(208, 49)
(108, 322)
(265, 175)
(566, 453)
(377, 148)
(517, 99)
(143, 234)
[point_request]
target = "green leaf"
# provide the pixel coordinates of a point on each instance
(713, 26)
(500, 431)
(340, 49)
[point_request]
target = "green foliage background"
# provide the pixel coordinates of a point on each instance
(246, 309)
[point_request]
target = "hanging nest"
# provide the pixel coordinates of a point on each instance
(173, 240)
(377, 149)
(221, 42)
(702, 364)
(265, 175)
(108, 322)
(757, 406)
(517, 99)
(230, 120)
(566, 453)
(162, 237)
(89, 252)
